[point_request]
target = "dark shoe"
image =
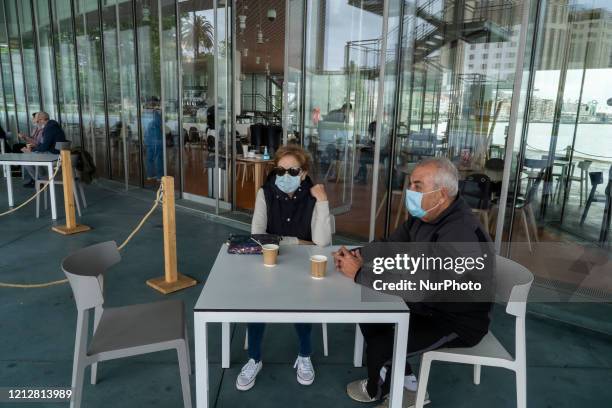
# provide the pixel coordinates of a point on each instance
(29, 184)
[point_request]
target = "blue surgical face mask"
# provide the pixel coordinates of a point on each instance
(287, 184)
(414, 200)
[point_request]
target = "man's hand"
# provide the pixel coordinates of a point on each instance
(348, 262)
(318, 192)
(27, 149)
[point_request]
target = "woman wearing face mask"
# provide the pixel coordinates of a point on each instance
(289, 205)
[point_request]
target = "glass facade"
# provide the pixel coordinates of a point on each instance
(515, 93)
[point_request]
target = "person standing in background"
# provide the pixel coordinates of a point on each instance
(153, 139)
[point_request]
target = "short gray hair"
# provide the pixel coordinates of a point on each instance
(446, 175)
(43, 115)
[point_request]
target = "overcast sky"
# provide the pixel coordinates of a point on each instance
(597, 86)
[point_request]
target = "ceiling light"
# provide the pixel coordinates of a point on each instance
(271, 14)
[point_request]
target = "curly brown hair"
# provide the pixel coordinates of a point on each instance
(301, 155)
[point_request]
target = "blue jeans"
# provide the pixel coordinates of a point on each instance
(256, 331)
(155, 161)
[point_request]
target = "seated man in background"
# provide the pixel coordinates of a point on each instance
(36, 137)
(52, 133)
(440, 215)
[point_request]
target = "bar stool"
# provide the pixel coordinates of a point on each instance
(532, 168)
(596, 179)
(583, 179)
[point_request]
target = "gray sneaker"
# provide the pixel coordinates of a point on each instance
(246, 378)
(357, 391)
(408, 400)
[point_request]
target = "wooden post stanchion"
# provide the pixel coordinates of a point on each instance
(71, 226)
(172, 281)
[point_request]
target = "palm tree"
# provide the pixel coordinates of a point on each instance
(197, 32)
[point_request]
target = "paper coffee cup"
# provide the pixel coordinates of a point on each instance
(270, 253)
(318, 266)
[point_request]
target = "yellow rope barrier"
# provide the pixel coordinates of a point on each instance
(158, 199)
(12, 210)
(32, 286)
(144, 219)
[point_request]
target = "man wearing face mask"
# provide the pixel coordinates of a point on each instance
(36, 137)
(289, 205)
(438, 215)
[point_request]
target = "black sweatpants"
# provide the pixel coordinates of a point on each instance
(424, 334)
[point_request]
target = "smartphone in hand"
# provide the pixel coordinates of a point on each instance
(355, 251)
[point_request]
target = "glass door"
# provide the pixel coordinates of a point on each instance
(457, 82)
(205, 54)
(89, 51)
(121, 93)
(222, 143)
(341, 75)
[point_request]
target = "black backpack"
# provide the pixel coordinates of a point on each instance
(85, 165)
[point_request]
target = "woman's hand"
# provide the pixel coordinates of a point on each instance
(318, 192)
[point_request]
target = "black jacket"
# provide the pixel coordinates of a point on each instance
(457, 224)
(52, 133)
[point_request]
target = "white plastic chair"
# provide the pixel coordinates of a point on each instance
(119, 331)
(513, 285)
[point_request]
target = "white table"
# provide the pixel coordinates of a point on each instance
(241, 289)
(29, 159)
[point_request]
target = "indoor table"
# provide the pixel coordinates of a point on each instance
(29, 159)
(259, 166)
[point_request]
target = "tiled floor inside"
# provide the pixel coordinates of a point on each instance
(567, 366)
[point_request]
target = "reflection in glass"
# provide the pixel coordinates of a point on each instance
(567, 158)
(120, 66)
(30, 62)
(89, 46)
(223, 139)
(22, 121)
(197, 104)
(170, 88)
(455, 97)
(293, 76)
(66, 71)
(342, 67)
(7, 78)
(44, 40)
(147, 27)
